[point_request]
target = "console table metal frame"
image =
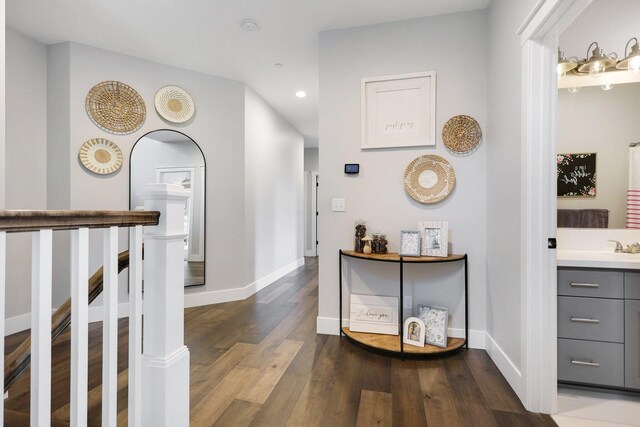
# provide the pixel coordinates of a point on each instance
(402, 260)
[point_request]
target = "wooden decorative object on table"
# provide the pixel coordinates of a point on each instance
(461, 134)
(174, 104)
(429, 179)
(101, 156)
(115, 107)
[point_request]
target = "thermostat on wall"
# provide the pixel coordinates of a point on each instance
(352, 168)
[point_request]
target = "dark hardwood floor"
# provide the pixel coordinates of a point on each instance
(259, 362)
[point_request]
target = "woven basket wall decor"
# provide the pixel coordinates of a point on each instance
(429, 179)
(461, 134)
(101, 156)
(115, 107)
(174, 104)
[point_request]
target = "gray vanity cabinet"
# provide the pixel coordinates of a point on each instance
(632, 344)
(599, 327)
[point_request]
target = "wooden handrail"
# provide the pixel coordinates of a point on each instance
(16, 362)
(15, 221)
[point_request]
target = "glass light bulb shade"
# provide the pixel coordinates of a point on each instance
(607, 86)
(573, 89)
(560, 71)
(634, 64)
(597, 68)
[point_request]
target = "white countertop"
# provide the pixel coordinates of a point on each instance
(597, 259)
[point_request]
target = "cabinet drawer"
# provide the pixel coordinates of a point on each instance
(632, 344)
(592, 319)
(591, 283)
(591, 362)
(632, 285)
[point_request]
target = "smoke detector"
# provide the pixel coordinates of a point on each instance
(250, 26)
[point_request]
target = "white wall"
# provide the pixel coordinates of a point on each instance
(311, 161)
(603, 122)
(2, 109)
(274, 155)
(502, 137)
(455, 47)
(26, 155)
(218, 128)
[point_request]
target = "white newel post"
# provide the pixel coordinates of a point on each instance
(165, 359)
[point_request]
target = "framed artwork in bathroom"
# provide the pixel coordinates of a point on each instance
(576, 174)
(398, 111)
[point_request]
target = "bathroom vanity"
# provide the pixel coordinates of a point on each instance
(599, 319)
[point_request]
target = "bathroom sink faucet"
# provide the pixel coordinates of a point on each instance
(619, 249)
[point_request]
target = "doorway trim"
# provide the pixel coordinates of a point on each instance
(312, 215)
(539, 38)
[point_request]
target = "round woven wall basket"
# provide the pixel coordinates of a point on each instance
(461, 134)
(429, 179)
(101, 156)
(174, 104)
(115, 107)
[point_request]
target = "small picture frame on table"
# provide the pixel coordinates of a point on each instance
(436, 320)
(409, 243)
(435, 238)
(413, 332)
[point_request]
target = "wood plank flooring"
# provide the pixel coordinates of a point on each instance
(259, 362)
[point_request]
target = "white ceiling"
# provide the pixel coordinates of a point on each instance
(206, 36)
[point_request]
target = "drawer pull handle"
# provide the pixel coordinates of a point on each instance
(582, 320)
(584, 285)
(581, 363)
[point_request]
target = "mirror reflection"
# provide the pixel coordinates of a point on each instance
(598, 160)
(167, 156)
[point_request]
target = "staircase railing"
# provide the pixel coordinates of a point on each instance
(159, 377)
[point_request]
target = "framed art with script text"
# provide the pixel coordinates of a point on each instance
(374, 314)
(398, 111)
(576, 175)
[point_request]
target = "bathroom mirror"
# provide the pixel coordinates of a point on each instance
(169, 156)
(604, 122)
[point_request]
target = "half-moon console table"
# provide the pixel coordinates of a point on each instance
(393, 344)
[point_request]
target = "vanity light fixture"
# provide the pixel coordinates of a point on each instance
(631, 61)
(565, 65)
(598, 63)
(607, 86)
(301, 94)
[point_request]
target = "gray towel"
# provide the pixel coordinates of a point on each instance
(583, 218)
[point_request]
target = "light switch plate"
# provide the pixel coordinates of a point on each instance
(338, 205)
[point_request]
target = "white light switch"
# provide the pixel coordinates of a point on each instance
(338, 205)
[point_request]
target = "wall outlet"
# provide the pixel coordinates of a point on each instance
(408, 302)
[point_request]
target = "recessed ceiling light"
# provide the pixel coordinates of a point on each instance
(301, 94)
(250, 26)
(278, 65)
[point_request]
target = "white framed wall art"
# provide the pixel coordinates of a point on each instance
(399, 110)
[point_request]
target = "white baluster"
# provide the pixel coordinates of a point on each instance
(110, 328)
(3, 264)
(165, 362)
(79, 325)
(135, 326)
(41, 269)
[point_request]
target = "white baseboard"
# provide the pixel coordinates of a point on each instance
(23, 322)
(507, 368)
(237, 294)
(331, 326)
